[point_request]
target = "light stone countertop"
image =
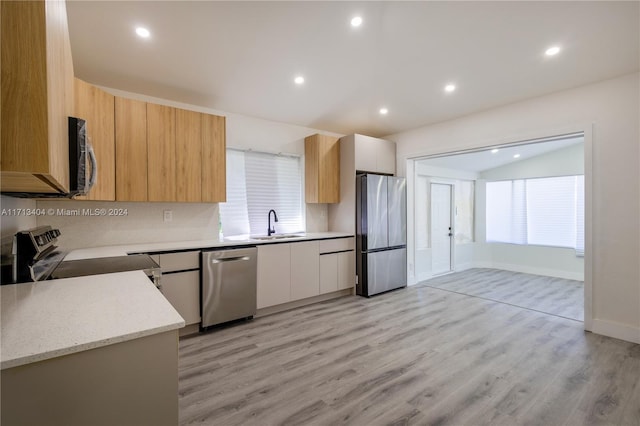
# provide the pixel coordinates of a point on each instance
(53, 318)
(122, 250)
(48, 319)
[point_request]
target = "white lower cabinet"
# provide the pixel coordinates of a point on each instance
(274, 274)
(337, 264)
(337, 271)
(346, 270)
(305, 267)
(328, 273)
(182, 290)
(288, 272)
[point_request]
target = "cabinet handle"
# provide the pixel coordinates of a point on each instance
(94, 167)
(230, 259)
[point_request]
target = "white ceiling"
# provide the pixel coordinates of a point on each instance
(481, 161)
(241, 57)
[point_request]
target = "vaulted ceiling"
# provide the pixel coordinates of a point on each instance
(242, 57)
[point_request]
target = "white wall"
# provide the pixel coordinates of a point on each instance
(609, 112)
(143, 222)
(191, 221)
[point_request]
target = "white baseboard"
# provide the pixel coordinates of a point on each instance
(616, 330)
(507, 267)
(464, 266)
(579, 276)
(419, 278)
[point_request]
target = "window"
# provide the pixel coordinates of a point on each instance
(464, 211)
(545, 211)
(256, 183)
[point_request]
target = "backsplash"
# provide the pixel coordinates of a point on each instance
(95, 223)
(128, 223)
(14, 217)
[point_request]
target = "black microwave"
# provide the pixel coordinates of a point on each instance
(80, 153)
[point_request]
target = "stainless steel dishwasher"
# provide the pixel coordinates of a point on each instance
(228, 290)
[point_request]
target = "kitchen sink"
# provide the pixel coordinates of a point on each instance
(276, 237)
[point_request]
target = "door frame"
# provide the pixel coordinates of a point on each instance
(452, 204)
(587, 131)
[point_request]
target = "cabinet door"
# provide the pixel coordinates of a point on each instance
(328, 273)
(179, 261)
(131, 150)
(305, 268)
(97, 107)
(322, 169)
(366, 153)
(386, 157)
(214, 173)
(161, 152)
(182, 290)
(346, 270)
(274, 275)
(37, 96)
(188, 156)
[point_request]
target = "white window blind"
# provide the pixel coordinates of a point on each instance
(506, 212)
(233, 213)
(545, 211)
(580, 215)
(551, 211)
(256, 183)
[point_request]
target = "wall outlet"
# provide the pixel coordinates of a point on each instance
(168, 216)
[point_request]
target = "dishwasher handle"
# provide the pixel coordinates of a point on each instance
(230, 259)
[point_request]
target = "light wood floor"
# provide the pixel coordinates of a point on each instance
(419, 355)
(550, 295)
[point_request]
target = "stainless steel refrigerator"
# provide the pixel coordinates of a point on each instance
(381, 233)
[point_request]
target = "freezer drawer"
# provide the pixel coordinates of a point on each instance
(382, 271)
(228, 285)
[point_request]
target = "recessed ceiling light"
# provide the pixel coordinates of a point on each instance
(384, 111)
(552, 51)
(299, 80)
(450, 87)
(493, 151)
(516, 156)
(143, 32)
(356, 21)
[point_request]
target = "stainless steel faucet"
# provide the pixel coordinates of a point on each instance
(270, 230)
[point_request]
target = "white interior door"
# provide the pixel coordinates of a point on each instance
(441, 228)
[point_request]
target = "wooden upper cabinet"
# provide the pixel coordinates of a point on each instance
(131, 150)
(168, 154)
(161, 152)
(322, 169)
(97, 107)
(188, 156)
(214, 172)
(37, 96)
